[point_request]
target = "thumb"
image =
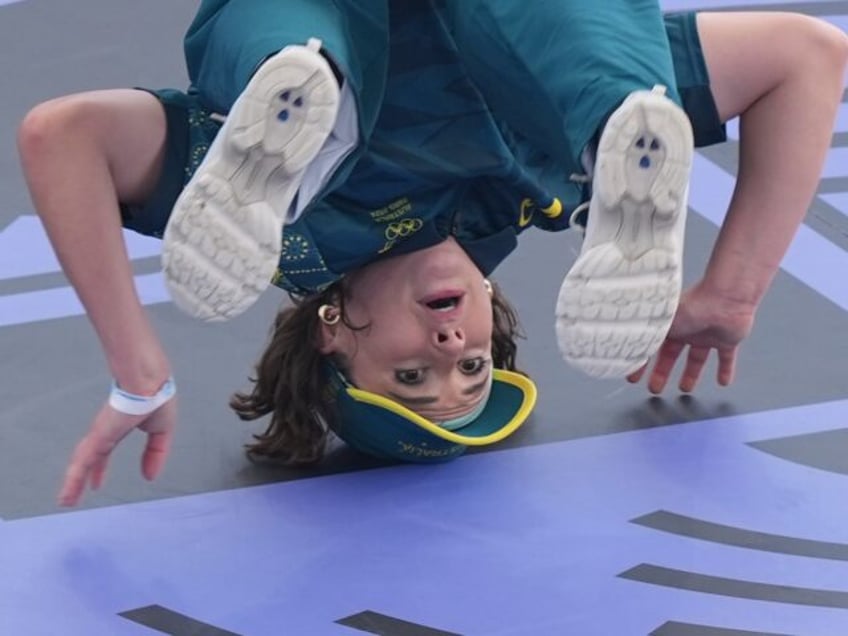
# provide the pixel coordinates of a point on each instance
(155, 453)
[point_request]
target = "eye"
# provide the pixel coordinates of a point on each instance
(409, 376)
(473, 366)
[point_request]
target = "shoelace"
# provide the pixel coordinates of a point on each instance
(573, 218)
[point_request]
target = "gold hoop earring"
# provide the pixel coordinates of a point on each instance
(329, 314)
(488, 285)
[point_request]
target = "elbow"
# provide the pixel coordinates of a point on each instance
(34, 132)
(42, 130)
(826, 46)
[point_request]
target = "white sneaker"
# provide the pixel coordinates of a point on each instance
(617, 302)
(223, 241)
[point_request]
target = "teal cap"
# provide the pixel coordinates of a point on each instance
(379, 426)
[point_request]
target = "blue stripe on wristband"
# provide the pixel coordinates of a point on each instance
(132, 404)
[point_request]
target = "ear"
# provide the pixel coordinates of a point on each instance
(329, 338)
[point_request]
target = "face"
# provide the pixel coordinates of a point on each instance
(429, 341)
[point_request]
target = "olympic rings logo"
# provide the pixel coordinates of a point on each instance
(402, 229)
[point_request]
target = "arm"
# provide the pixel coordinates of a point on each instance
(81, 155)
(783, 74)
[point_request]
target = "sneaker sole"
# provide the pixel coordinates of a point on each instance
(223, 241)
(617, 302)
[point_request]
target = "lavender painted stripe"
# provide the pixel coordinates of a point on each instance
(841, 124)
(733, 129)
(38, 256)
(62, 302)
(838, 200)
(839, 21)
(90, 568)
(836, 164)
(811, 257)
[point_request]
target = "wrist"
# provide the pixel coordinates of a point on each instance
(129, 403)
(140, 367)
(738, 298)
(726, 300)
(742, 266)
(737, 281)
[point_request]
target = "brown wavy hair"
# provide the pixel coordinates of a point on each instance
(289, 383)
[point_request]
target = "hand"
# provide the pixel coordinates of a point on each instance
(702, 322)
(91, 455)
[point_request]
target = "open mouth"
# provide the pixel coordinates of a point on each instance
(443, 302)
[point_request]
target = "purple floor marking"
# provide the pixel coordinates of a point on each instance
(811, 257)
(544, 530)
(839, 201)
(836, 164)
(62, 302)
(839, 21)
(39, 258)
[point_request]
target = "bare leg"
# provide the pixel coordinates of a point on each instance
(783, 74)
(82, 155)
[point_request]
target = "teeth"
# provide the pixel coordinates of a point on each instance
(444, 304)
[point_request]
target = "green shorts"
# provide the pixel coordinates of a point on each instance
(693, 80)
(191, 130)
(225, 44)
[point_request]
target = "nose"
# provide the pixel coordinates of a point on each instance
(450, 341)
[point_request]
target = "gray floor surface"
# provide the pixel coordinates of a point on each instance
(53, 373)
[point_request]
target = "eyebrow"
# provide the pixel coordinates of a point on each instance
(430, 399)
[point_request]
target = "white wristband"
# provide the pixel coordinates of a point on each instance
(131, 404)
